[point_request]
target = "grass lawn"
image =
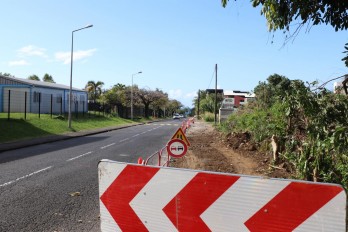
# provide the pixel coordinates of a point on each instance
(17, 128)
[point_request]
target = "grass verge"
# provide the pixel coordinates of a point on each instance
(18, 129)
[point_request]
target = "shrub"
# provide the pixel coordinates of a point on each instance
(208, 117)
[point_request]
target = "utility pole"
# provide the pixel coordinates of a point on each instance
(215, 107)
(199, 97)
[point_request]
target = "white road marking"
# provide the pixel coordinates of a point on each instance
(123, 155)
(109, 145)
(123, 140)
(79, 156)
(26, 176)
(135, 135)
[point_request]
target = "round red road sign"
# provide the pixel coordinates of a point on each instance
(176, 148)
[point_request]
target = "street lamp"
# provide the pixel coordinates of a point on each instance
(71, 67)
(132, 93)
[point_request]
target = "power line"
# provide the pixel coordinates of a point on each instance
(212, 76)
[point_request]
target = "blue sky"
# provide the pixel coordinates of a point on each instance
(175, 43)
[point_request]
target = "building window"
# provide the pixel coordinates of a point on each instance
(59, 98)
(37, 96)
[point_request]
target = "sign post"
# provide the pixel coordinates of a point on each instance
(176, 148)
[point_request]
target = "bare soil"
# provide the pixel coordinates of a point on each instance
(210, 150)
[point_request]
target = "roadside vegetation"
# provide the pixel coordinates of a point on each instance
(308, 124)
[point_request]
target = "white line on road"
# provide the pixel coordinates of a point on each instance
(79, 156)
(123, 140)
(109, 145)
(135, 135)
(26, 176)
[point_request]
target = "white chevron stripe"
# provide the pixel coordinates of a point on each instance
(108, 172)
(160, 190)
(241, 201)
(326, 219)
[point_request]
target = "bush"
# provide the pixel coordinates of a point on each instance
(208, 117)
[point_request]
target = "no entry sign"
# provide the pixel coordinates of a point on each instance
(143, 198)
(176, 148)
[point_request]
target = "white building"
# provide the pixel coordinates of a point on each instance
(19, 95)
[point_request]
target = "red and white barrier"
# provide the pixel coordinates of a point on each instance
(144, 198)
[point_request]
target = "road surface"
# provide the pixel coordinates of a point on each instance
(54, 187)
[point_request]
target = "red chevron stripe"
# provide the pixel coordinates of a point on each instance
(121, 192)
(185, 208)
(292, 206)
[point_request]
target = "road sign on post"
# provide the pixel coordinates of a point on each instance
(144, 198)
(176, 148)
(179, 134)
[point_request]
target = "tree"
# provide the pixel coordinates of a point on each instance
(281, 13)
(174, 106)
(94, 90)
(275, 88)
(117, 97)
(159, 105)
(147, 97)
(5, 74)
(48, 78)
(33, 77)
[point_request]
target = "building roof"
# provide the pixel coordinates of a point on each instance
(238, 93)
(35, 83)
(213, 90)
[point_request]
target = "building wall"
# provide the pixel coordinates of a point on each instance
(41, 99)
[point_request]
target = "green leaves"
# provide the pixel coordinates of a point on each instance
(314, 126)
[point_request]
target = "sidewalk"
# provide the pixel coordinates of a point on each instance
(53, 138)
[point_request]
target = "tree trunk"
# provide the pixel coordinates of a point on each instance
(146, 110)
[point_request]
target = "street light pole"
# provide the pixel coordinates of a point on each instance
(132, 93)
(71, 68)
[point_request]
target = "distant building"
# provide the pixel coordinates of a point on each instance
(238, 98)
(19, 95)
(232, 100)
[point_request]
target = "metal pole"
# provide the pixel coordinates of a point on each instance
(25, 106)
(215, 107)
(71, 68)
(132, 99)
(51, 105)
(9, 105)
(70, 89)
(132, 94)
(199, 98)
(39, 104)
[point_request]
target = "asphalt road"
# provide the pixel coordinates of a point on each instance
(54, 186)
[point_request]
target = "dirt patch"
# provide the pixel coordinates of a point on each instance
(234, 153)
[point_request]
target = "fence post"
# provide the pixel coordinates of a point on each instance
(83, 108)
(25, 105)
(61, 105)
(51, 104)
(39, 104)
(77, 109)
(9, 105)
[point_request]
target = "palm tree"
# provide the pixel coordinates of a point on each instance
(94, 89)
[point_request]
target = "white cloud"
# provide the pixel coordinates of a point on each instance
(18, 63)
(175, 93)
(191, 95)
(65, 57)
(32, 50)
